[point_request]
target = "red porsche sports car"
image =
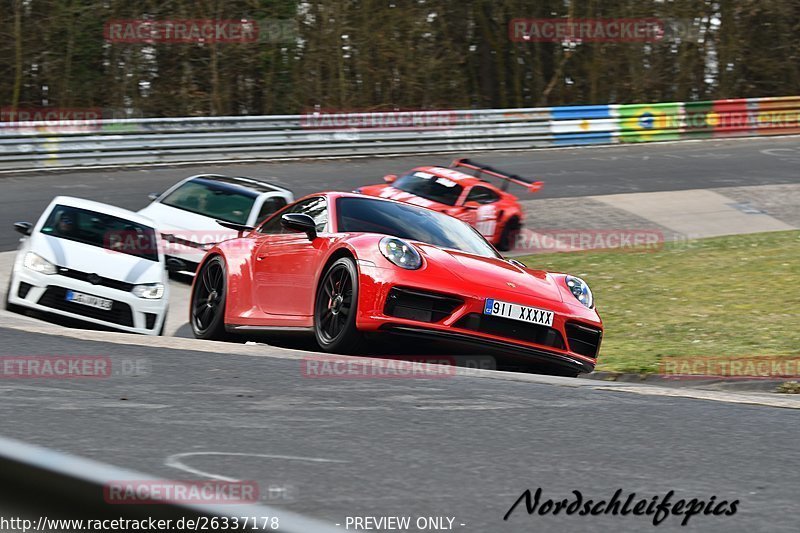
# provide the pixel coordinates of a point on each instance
(492, 210)
(342, 265)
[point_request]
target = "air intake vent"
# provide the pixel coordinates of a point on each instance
(420, 305)
(583, 340)
(23, 289)
(512, 329)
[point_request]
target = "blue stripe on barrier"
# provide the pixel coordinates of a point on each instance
(580, 112)
(582, 138)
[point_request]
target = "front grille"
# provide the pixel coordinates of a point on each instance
(55, 298)
(512, 329)
(583, 339)
(419, 305)
(22, 290)
(94, 279)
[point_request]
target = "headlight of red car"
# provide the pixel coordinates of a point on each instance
(580, 290)
(400, 253)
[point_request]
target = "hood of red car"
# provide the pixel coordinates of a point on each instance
(493, 273)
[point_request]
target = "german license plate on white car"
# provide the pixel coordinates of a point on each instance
(534, 315)
(89, 300)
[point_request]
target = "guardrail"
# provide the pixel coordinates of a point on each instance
(25, 145)
(45, 487)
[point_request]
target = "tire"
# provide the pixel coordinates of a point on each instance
(564, 373)
(207, 306)
(509, 233)
(335, 309)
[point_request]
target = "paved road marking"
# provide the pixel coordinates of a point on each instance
(176, 461)
(12, 321)
(768, 400)
(695, 213)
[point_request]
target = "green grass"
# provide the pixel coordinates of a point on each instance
(790, 387)
(720, 297)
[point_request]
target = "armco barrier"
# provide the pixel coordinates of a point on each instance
(45, 486)
(340, 134)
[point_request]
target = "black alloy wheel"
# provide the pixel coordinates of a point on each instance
(208, 301)
(335, 308)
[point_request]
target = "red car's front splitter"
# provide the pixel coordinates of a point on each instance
(500, 348)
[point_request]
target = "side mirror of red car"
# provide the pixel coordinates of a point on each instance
(471, 205)
(390, 178)
(300, 222)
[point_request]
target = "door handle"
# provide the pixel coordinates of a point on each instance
(262, 252)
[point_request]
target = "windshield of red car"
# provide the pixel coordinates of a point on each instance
(370, 215)
(429, 186)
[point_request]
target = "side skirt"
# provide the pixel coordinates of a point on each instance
(233, 328)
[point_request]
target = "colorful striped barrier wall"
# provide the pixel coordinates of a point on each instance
(673, 121)
(332, 133)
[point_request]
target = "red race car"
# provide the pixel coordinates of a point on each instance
(340, 265)
(491, 210)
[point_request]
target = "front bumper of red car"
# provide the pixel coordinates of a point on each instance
(443, 309)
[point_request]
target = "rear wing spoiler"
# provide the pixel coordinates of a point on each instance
(529, 183)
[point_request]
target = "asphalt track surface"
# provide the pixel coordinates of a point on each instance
(463, 447)
(567, 172)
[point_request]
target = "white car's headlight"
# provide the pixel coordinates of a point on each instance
(39, 264)
(400, 253)
(151, 291)
(580, 290)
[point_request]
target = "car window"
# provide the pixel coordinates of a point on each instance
(213, 199)
(316, 208)
(270, 206)
(482, 195)
(102, 230)
(431, 187)
(370, 215)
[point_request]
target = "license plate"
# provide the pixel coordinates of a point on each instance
(534, 315)
(89, 300)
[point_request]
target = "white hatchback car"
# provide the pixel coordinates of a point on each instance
(186, 214)
(92, 262)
